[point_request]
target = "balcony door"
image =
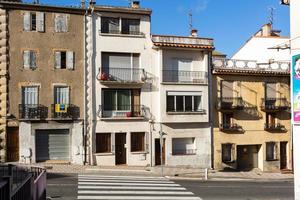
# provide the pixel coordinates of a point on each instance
(227, 93)
(121, 66)
(30, 96)
(61, 95)
(181, 71)
(270, 95)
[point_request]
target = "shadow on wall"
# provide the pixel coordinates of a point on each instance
(187, 125)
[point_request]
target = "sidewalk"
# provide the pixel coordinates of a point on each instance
(170, 172)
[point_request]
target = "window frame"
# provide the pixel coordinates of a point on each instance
(108, 142)
(274, 152)
(128, 32)
(193, 150)
(142, 139)
(116, 107)
(184, 110)
(230, 153)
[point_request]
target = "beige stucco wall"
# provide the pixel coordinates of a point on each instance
(251, 89)
(45, 75)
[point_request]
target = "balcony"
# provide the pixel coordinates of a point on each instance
(65, 112)
(275, 127)
(32, 112)
(231, 128)
(275, 104)
(242, 66)
(122, 76)
(175, 76)
(230, 103)
(122, 112)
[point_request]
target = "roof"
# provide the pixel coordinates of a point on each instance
(182, 42)
(249, 72)
(119, 9)
(217, 53)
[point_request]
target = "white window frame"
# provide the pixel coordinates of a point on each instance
(184, 95)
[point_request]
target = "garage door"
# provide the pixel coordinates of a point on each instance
(52, 145)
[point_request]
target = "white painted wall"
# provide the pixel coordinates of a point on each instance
(257, 48)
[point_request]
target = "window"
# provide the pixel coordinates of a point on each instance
(270, 119)
(103, 143)
(184, 102)
(61, 95)
(270, 91)
(137, 142)
(227, 120)
(34, 21)
(29, 59)
(110, 25)
(30, 95)
(61, 23)
(271, 148)
(227, 152)
(117, 100)
(64, 60)
(131, 26)
(183, 146)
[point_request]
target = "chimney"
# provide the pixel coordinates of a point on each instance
(266, 30)
(194, 33)
(135, 4)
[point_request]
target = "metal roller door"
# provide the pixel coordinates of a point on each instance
(52, 145)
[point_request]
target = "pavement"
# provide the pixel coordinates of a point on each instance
(169, 172)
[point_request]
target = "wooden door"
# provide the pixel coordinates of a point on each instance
(283, 156)
(12, 144)
(157, 152)
(120, 142)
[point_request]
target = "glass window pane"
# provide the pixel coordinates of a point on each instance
(103, 142)
(130, 26)
(109, 100)
(123, 100)
(179, 103)
(170, 104)
(197, 103)
(138, 141)
(188, 103)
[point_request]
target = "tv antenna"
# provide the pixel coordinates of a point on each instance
(191, 20)
(271, 17)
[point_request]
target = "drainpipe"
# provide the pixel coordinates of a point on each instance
(84, 92)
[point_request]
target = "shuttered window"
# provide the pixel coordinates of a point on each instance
(34, 21)
(61, 95)
(271, 151)
(30, 95)
(64, 60)
(61, 23)
(29, 59)
(103, 143)
(138, 141)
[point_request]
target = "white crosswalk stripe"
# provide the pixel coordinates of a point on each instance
(92, 187)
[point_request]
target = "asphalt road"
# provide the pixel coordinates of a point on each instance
(64, 187)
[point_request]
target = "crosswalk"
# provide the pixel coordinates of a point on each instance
(92, 187)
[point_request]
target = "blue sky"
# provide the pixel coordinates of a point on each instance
(230, 23)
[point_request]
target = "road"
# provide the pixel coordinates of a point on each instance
(72, 186)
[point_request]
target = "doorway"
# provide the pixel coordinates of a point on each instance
(12, 143)
(283, 155)
(120, 142)
(247, 157)
(157, 152)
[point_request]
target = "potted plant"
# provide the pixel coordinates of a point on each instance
(104, 76)
(128, 114)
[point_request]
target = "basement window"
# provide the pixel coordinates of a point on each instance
(103, 142)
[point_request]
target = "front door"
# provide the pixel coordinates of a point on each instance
(157, 152)
(120, 142)
(283, 156)
(12, 144)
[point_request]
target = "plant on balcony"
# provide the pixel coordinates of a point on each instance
(104, 76)
(128, 114)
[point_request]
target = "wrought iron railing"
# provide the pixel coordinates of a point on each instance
(274, 104)
(230, 103)
(122, 75)
(274, 127)
(177, 76)
(233, 127)
(65, 111)
(33, 111)
(105, 31)
(122, 111)
(250, 65)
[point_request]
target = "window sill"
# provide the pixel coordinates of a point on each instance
(122, 35)
(191, 154)
(104, 154)
(181, 83)
(140, 152)
(121, 118)
(270, 160)
(186, 113)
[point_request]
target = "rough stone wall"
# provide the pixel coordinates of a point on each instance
(3, 82)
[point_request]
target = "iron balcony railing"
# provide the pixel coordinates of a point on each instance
(250, 65)
(122, 111)
(177, 76)
(65, 111)
(33, 112)
(274, 127)
(233, 127)
(274, 104)
(124, 32)
(230, 103)
(120, 75)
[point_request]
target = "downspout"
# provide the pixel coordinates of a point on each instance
(211, 107)
(84, 135)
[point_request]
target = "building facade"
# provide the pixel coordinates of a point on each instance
(252, 106)
(45, 85)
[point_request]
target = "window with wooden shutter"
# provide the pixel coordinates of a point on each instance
(61, 23)
(27, 21)
(57, 59)
(40, 18)
(29, 59)
(70, 60)
(34, 21)
(64, 60)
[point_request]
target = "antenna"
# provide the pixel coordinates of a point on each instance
(271, 17)
(130, 3)
(191, 20)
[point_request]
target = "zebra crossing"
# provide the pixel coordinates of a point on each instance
(92, 187)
